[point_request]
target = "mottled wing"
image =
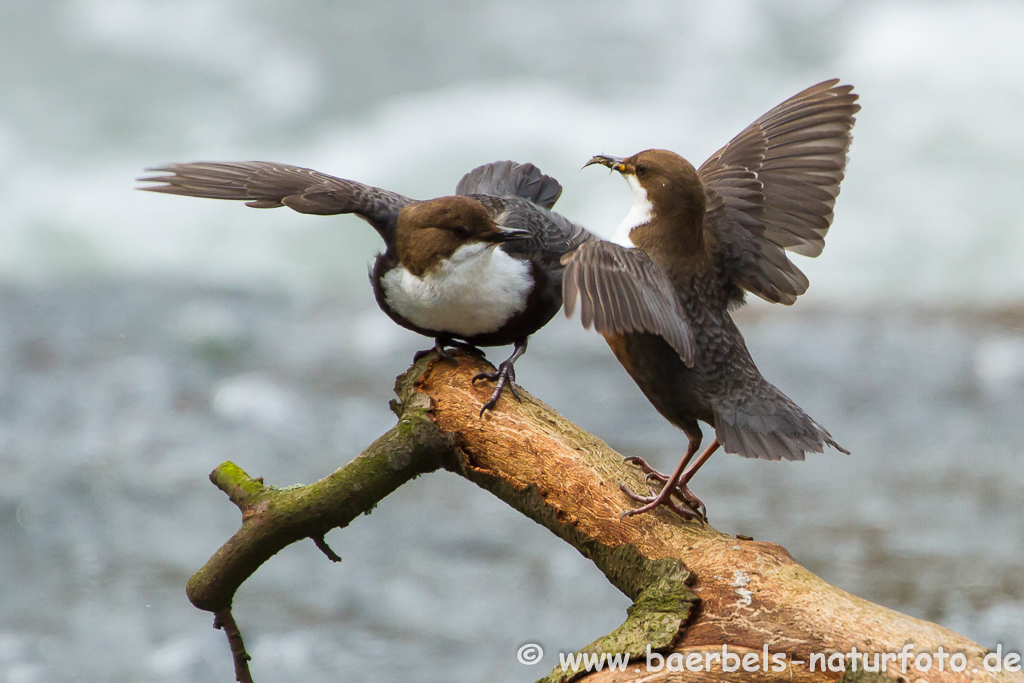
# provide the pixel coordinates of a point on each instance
(774, 186)
(511, 179)
(519, 196)
(266, 185)
(553, 235)
(622, 290)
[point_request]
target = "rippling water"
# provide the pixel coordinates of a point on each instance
(118, 399)
(145, 339)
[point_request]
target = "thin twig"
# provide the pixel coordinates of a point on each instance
(321, 543)
(222, 619)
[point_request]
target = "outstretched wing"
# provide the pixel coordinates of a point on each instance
(623, 290)
(511, 179)
(773, 188)
(266, 185)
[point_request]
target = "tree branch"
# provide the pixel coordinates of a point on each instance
(274, 518)
(694, 588)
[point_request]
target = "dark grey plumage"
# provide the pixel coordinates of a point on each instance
(509, 179)
(553, 235)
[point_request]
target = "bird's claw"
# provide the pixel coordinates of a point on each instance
(693, 502)
(683, 492)
(695, 508)
(468, 348)
(652, 502)
(650, 471)
(656, 476)
(505, 377)
(439, 349)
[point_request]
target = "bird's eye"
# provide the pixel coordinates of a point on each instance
(640, 171)
(461, 231)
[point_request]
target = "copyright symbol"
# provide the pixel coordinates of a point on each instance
(530, 654)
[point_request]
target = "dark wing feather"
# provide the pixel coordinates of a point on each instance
(774, 186)
(622, 290)
(553, 235)
(510, 179)
(266, 185)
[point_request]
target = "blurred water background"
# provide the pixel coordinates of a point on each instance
(144, 339)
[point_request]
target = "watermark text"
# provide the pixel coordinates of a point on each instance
(908, 659)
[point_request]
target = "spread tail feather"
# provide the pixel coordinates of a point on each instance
(766, 424)
(510, 179)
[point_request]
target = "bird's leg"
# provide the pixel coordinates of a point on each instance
(505, 376)
(681, 488)
(665, 496)
(684, 490)
(655, 475)
(676, 484)
(439, 347)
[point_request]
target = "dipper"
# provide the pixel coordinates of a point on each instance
(692, 244)
(480, 268)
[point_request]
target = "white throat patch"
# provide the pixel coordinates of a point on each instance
(639, 213)
(476, 291)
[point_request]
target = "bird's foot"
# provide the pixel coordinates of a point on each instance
(648, 470)
(439, 349)
(505, 377)
(694, 507)
(468, 348)
(664, 497)
(681, 490)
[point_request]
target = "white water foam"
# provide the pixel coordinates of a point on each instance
(929, 212)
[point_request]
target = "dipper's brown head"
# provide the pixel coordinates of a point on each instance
(668, 202)
(430, 232)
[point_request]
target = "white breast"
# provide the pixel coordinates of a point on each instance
(476, 291)
(639, 214)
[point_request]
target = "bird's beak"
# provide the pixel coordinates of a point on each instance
(614, 163)
(510, 235)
